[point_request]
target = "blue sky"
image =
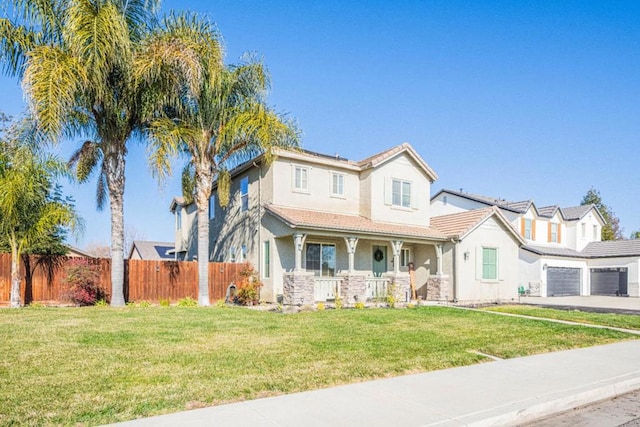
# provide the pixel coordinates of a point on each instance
(512, 99)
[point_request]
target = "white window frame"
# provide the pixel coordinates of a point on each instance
(528, 222)
(337, 184)
(595, 232)
(244, 196)
(322, 244)
(266, 261)
(405, 257)
(404, 199)
(554, 232)
(301, 178)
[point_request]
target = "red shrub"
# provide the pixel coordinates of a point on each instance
(83, 279)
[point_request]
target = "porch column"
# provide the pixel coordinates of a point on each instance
(351, 242)
(298, 243)
(396, 246)
(439, 259)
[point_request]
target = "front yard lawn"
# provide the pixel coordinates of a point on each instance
(101, 365)
(625, 321)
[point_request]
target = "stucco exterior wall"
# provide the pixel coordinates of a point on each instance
(445, 204)
(404, 168)
(470, 287)
(590, 221)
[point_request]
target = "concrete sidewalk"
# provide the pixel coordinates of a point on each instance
(503, 392)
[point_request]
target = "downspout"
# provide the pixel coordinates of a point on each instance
(259, 222)
(455, 271)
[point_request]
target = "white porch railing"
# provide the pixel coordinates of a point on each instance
(325, 288)
(376, 287)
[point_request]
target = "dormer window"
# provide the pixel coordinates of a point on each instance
(528, 229)
(553, 233)
(179, 218)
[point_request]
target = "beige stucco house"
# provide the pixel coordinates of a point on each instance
(318, 227)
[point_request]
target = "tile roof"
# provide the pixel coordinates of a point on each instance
(156, 251)
(612, 248)
(379, 158)
(328, 221)
(554, 251)
(575, 212)
(458, 224)
(491, 201)
(548, 211)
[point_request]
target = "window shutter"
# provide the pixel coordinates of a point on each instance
(498, 265)
(387, 191)
(478, 262)
(522, 226)
(414, 196)
(533, 229)
(548, 232)
(559, 233)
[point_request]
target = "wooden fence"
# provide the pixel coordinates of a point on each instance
(42, 280)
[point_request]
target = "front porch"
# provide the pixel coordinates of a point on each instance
(356, 270)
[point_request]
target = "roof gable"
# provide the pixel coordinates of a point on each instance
(385, 156)
(156, 251)
(461, 224)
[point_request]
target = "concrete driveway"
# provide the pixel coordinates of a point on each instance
(588, 303)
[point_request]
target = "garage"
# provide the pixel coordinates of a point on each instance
(563, 281)
(609, 281)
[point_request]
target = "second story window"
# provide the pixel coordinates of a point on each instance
(553, 232)
(401, 193)
(179, 218)
(301, 179)
(595, 232)
(337, 184)
(212, 206)
(244, 193)
(528, 228)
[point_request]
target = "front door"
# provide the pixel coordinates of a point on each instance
(379, 260)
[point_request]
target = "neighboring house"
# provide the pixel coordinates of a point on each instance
(152, 251)
(74, 252)
(562, 254)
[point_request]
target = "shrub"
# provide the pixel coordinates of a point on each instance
(320, 306)
(359, 305)
(102, 303)
(248, 290)
(221, 303)
(338, 303)
(187, 302)
(144, 304)
(391, 295)
(83, 279)
(164, 303)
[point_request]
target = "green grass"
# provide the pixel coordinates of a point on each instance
(626, 321)
(99, 365)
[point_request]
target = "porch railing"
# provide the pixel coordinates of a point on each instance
(376, 287)
(325, 288)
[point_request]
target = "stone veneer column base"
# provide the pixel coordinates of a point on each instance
(402, 283)
(438, 287)
(298, 288)
(353, 289)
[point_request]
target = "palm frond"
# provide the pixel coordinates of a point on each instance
(101, 191)
(166, 140)
(85, 160)
(188, 183)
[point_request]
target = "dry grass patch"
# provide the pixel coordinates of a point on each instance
(96, 365)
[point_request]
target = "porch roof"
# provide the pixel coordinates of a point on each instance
(459, 225)
(328, 221)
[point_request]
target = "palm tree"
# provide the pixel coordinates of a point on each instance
(218, 123)
(30, 209)
(78, 60)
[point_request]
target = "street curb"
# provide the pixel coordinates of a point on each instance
(561, 404)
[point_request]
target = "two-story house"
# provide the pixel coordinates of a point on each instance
(319, 227)
(563, 253)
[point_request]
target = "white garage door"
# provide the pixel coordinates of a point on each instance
(563, 281)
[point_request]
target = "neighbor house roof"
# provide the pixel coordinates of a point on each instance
(569, 214)
(75, 252)
(328, 221)
(458, 225)
(177, 201)
(612, 248)
(554, 251)
(156, 251)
